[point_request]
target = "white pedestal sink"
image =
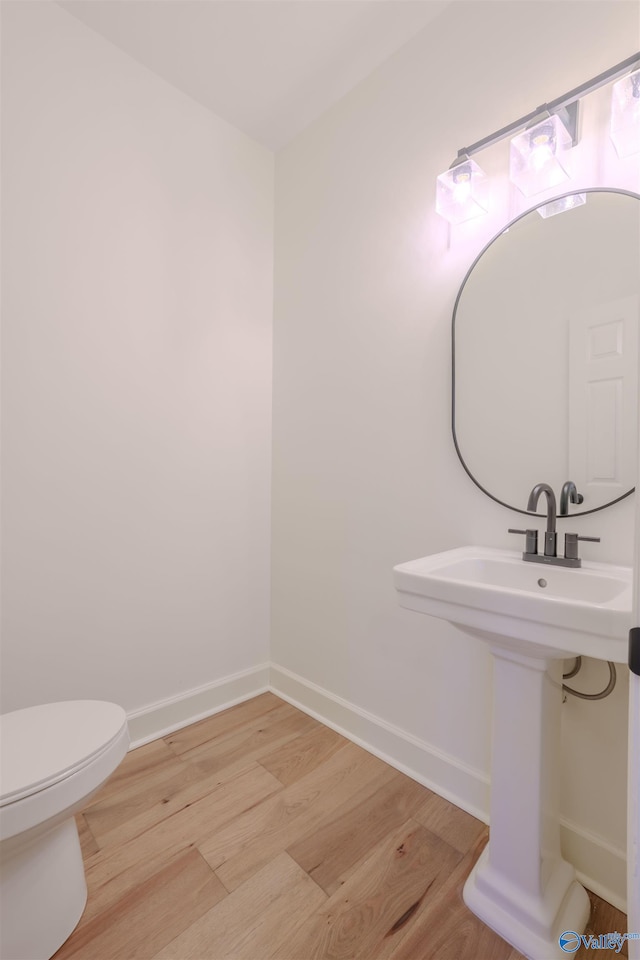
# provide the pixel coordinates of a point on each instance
(532, 616)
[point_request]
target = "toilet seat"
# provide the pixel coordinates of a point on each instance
(45, 744)
(54, 757)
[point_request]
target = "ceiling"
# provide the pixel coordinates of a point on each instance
(269, 67)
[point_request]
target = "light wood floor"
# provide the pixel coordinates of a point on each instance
(259, 833)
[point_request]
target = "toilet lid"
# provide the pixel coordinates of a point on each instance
(41, 745)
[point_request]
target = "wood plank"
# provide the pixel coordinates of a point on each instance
(367, 916)
(252, 920)
(175, 798)
(252, 839)
(139, 767)
(604, 918)
(88, 843)
(460, 934)
(220, 724)
(354, 829)
(300, 756)
(147, 918)
(147, 775)
(112, 871)
(449, 822)
(444, 928)
(255, 739)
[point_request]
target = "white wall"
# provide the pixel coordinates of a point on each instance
(365, 474)
(137, 304)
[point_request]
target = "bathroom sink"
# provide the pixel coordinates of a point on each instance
(532, 615)
(535, 609)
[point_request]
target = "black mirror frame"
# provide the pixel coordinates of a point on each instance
(570, 193)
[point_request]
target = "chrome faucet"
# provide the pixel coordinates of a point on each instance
(550, 536)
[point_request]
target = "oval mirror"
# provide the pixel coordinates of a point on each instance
(545, 353)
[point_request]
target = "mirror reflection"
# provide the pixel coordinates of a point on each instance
(545, 339)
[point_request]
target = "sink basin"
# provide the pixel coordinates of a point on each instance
(532, 615)
(539, 609)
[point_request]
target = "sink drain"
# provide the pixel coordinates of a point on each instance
(542, 582)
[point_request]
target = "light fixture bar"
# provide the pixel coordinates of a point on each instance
(554, 106)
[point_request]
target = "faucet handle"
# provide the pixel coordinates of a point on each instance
(531, 541)
(571, 544)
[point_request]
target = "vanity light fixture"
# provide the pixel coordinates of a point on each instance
(541, 145)
(625, 115)
(461, 192)
(540, 157)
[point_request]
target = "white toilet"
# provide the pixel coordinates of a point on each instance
(53, 759)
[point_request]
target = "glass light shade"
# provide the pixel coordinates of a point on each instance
(625, 115)
(462, 192)
(539, 156)
(561, 204)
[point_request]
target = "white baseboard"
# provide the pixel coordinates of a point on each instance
(159, 719)
(600, 866)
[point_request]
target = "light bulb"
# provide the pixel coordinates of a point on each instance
(539, 156)
(543, 147)
(461, 191)
(461, 185)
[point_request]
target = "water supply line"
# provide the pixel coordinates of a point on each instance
(590, 696)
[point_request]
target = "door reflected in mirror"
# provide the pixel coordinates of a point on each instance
(545, 354)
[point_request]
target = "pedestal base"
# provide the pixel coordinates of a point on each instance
(521, 886)
(533, 925)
